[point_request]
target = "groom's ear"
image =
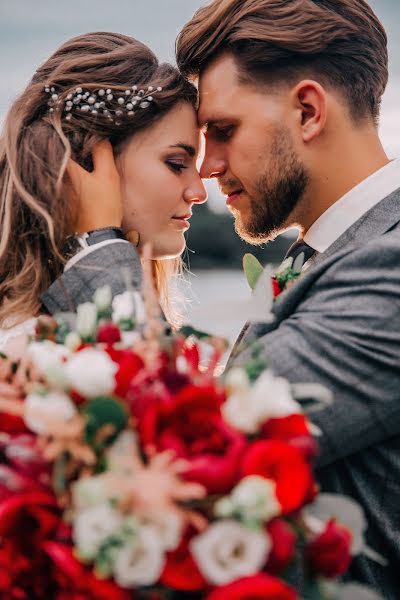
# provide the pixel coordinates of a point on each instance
(310, 101)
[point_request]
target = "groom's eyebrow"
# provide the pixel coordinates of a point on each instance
(186, 147)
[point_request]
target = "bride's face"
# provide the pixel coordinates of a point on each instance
(160, 181)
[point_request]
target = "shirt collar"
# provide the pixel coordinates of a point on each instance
(352, 206)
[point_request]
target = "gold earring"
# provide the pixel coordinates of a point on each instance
(133, 237)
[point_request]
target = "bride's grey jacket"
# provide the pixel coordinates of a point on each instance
(339, 325)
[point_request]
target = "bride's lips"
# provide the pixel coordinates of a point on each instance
(232, 197)
(182, 220)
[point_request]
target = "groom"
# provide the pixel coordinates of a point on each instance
(290, 92)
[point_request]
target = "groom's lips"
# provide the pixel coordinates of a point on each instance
(233, 196)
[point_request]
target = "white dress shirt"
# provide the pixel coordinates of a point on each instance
(352, 206)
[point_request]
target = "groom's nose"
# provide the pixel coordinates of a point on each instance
(212, 166)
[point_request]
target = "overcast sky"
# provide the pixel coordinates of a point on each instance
(30, 30)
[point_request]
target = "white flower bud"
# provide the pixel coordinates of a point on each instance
(86, 320)
(91, 373)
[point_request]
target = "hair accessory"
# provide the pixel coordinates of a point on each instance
(112, 104)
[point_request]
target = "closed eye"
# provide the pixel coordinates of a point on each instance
(220, 134)
(176, 167)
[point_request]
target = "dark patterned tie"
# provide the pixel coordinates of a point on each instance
(297, 248)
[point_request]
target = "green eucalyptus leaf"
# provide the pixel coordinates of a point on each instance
(253, 269)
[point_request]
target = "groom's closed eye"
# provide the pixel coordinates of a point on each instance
(219, 134)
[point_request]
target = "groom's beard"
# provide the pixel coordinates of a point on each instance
(277, 193)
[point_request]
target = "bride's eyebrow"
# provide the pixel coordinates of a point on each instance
(186, 147)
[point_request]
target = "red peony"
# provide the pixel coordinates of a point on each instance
(283, 545)
(329, 554)
(180, 571)
(108, 333)
(129, 364)
(191, 424)
(262, 587)
(283, 464)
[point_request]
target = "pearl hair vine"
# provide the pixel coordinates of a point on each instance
(112, 104)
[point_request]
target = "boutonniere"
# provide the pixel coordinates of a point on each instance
(283, 278)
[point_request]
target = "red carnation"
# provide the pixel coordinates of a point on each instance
(329, 554)
(109, 333)
(190, 423)
(283, 464)
(180, 571)
(293, 429)
(283, 545)
(129, 364)
(262, 587)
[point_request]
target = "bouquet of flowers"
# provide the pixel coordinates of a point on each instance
(129, 471)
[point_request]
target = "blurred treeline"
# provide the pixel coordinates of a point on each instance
(213, 243)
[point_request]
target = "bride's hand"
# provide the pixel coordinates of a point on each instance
(98, 192)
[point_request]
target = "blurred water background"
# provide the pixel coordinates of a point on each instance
(31, 30)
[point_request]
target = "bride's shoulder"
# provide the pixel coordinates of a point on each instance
(13, 338)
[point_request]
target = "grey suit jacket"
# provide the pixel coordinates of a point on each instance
(339, 325)
(114, 265)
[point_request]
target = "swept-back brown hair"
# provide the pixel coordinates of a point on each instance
(341, 42)
(35, 214)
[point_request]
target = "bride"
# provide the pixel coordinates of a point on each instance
(99, 97)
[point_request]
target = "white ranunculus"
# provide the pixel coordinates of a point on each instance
(253, 499)
(269, 398)
(91, 528)
(128, 305)
(141, 561)
(86, 319)
(39, 408)
(103, 298)
(227, 551)
(91, 373)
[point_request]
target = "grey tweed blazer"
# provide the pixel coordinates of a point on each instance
(339, 325)
(113, 265)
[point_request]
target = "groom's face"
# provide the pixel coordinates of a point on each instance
(251, 150)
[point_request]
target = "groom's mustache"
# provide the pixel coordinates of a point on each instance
(229, 186)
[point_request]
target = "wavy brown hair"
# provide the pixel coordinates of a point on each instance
(36, 215)
(340, 42)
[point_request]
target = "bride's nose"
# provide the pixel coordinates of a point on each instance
(196, 193)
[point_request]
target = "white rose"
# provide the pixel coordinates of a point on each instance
(128, 305)
(89, 491)
(91, 373)
(86, 319)
(46, 355)
(254, 499)
(227, 551)
(103, 298)
(141, 561)
(269, 398)
(39, 408)
(92, 527)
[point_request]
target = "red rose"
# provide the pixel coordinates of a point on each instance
(191, 424)
(108, 333)
(180, 571)
(283, 464)
(261, 586)
(329, 554)
(129, 364)
(293, 429)
(283, 545)
(276, 288)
